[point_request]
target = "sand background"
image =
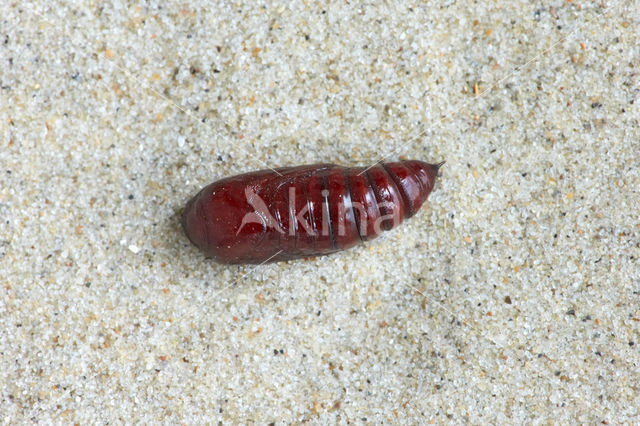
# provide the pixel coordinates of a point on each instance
(513, 296)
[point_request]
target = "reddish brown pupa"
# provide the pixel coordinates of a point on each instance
(303, 211)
